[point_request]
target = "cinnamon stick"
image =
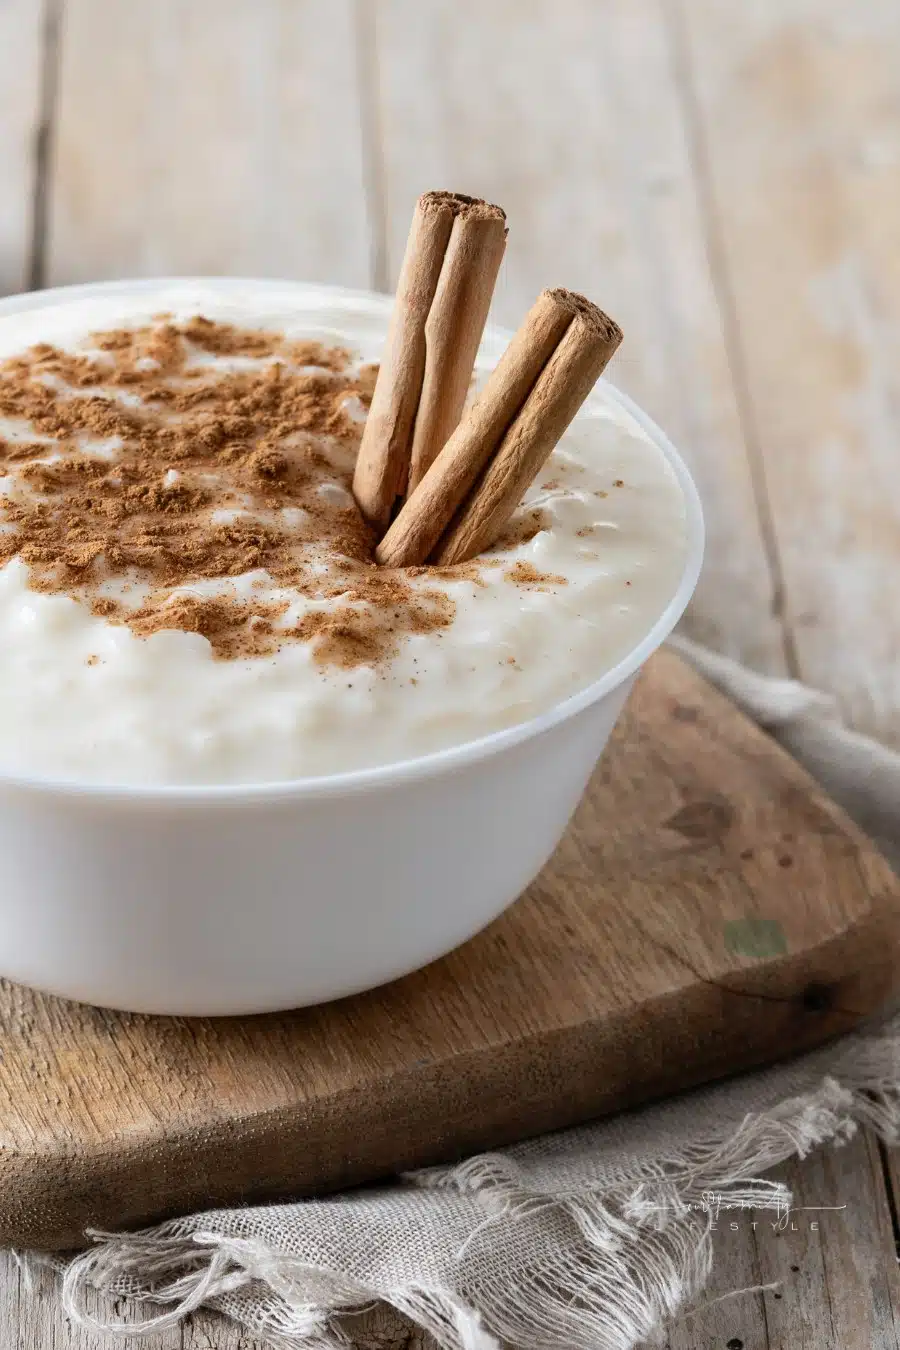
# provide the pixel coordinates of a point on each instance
(428, 511)
(464, 501)
(447, 278)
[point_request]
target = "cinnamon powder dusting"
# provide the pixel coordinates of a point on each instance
(139, 468)
(526, 574)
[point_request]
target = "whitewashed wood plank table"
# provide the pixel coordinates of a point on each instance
(723, 177)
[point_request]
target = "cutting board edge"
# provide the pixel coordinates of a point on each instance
(729, 1036)
(776, 989)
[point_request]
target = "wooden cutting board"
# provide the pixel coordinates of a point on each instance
(708, 910)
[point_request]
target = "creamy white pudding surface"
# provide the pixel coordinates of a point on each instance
(186, 587)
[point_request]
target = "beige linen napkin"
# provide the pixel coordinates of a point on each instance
(590, 1239)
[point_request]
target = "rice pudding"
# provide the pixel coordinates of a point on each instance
(188, 592)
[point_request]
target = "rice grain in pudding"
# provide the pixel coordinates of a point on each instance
(187, 591)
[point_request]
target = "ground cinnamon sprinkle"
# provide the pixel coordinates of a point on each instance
(144, 463)
(525, 574)
(522, 529)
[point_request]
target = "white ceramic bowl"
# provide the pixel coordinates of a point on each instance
(252, 898)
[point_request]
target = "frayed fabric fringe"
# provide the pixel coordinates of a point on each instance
(592, 1239)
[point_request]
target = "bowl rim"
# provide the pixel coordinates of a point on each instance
(435, 762)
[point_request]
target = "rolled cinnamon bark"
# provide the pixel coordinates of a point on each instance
(466, 498)
(428, 511)
(447, 279)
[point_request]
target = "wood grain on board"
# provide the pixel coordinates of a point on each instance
(569, 116)
(221, 136)
(798, 113)
(21, 51)
(708, 909)
(723, 175)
